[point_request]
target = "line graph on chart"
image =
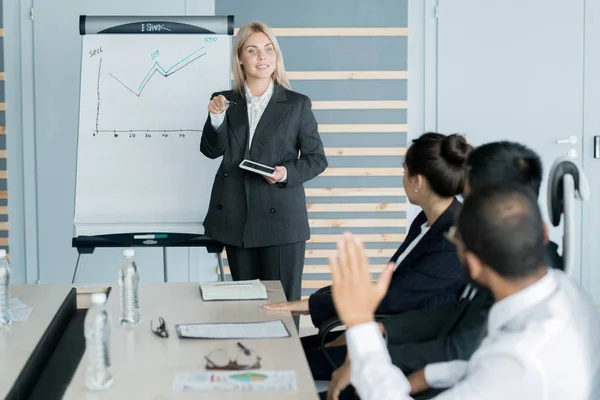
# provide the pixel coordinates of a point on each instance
(137, 92)
(156, 67)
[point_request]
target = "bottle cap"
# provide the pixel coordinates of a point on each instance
(128, 253)
(98, 298)
(2, 253)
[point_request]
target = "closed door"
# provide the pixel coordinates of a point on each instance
(590, 233)
(513, 70)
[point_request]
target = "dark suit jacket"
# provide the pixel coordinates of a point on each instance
(430, 275)
(245, 210)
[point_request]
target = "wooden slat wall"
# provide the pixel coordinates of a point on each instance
(3, 171)
(361, 121)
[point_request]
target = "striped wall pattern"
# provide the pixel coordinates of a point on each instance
(3, 172)
(350, 58)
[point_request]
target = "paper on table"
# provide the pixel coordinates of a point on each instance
(244, 330)
(19, 310)
(238, 290)
(239, 381)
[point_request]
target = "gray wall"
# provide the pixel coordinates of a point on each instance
(3, 161)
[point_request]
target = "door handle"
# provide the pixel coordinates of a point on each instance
(570, 140)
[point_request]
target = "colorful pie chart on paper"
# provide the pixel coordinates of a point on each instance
(248, 377)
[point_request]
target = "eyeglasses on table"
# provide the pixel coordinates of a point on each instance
(220, 359)
(161, 330)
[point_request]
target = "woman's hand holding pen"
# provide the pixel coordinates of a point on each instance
(218, 104)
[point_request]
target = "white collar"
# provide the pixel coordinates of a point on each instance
(508, 308)
(266, 96)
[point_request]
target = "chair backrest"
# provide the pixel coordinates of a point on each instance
(566, 184)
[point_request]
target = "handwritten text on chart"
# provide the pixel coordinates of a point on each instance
(93, 52)
(149, 133)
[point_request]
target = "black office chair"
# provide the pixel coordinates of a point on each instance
(329, 326)
(566, 183)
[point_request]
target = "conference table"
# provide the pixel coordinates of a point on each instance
(22, 339)
(144, 364)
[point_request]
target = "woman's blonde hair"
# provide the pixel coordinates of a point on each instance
(279, 74)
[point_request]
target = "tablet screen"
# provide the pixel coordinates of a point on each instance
(259, 167)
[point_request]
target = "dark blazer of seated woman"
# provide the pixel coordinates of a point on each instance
(428, 273)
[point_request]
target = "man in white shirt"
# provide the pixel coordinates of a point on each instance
(543, 332)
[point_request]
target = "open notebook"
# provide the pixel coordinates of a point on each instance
(238, 290)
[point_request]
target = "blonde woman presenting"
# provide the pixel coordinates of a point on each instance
(262, 220)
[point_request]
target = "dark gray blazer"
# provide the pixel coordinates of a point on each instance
(245, 210)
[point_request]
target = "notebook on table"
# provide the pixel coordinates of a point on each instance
(238, 290)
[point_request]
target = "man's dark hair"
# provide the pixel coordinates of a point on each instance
(505, 161)
(502, 225)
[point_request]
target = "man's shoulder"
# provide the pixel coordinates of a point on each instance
(578, 302)
(566, 317)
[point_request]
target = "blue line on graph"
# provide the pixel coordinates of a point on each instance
(157, 64)
(157, 67)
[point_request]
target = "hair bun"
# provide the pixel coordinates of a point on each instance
(455, 149)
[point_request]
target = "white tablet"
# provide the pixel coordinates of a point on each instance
(258, 168)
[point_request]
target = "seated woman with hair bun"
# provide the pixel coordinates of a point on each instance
(427, 272)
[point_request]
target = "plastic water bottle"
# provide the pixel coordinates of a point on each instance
(5, 314)
(97, 343)
(129, 281)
